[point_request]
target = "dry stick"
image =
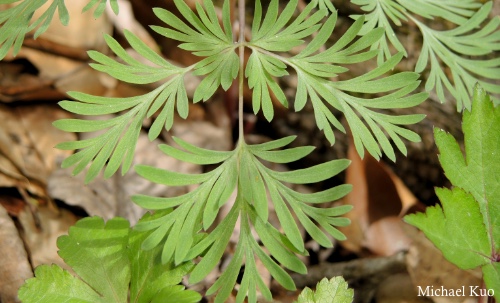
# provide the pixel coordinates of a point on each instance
(366, 270)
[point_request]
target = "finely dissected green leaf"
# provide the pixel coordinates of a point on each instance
(459, 49)
(457, 229)
(152, 281)
(116, 146)
(15, 22)
(260, 71)
(314, 67)
(101, 7)
(133, 70)
(275, 33)
(467, 229)
(195, 209)
(190, 216)
(334, 290)
(205, 37)
(326, 5)
(107, 257)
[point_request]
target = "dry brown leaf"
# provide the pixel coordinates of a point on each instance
(398, 288)
(40, 231)
(27, 140)
(108, 198)
(19, 81)
(83, 31)
(380, 199)
(14, 264)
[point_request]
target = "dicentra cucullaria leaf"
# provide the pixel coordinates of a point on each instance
(334, 291)
(110, 267)
(467, 226)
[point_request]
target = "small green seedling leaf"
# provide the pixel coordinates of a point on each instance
(333, 291)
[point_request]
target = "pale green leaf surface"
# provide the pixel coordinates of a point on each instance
(151, 280)
(98, 257)
(52, 284)
(107, 258)
(176, 294)
(334, 290)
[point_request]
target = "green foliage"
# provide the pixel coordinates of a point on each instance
(461, 50)
(315, 70)
(150, 260)
(334, 291)
(467, 226)
(16, 22)
(186, 217)
(208, 39)
(109, 262)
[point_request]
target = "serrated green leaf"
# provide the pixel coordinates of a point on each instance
(466, 228)
(477, 173)
(107, 257)
(466, 247)
(176, 294)
(491, 276)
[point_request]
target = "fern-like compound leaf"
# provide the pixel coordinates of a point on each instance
(182, 226)
(101, 7)
(315, 68)
(454, 11)
(380, 15)
(204, 37)
(116, 145)
(15, 22)
(460, 49)
(369, 127)
(325, 5)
